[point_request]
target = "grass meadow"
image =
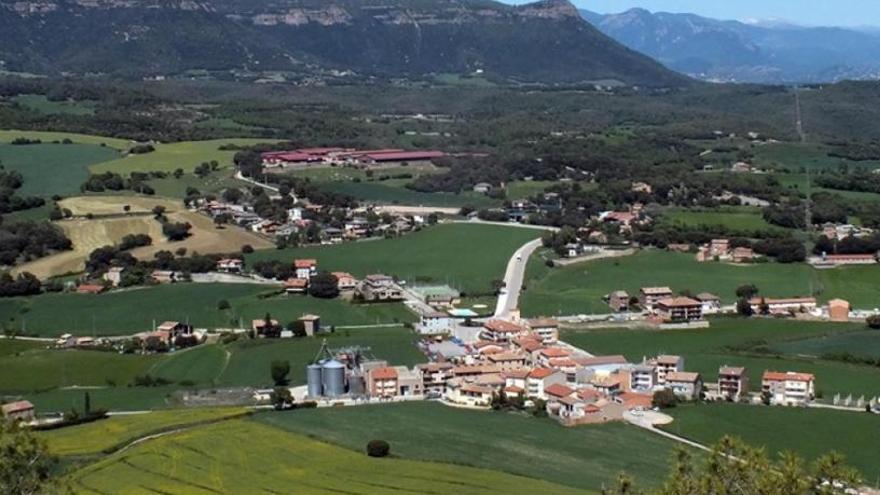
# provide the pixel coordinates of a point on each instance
(41, 104)
(579, 288)
(244, 456)
(585, 457)
(250, 361)
(738, 220)
(465, 256)
(49, 169)
(810, 433)
(116, 431)
(136, 310)
(390, 193)
(751, 343)
(55, 380)
(171, 156)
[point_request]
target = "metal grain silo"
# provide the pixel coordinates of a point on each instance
(334, 378)
(315, 381)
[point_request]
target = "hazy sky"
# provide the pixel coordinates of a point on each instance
(810, 12)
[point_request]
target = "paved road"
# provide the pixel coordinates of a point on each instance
(508, 300)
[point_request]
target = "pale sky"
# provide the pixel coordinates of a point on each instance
(806, 12)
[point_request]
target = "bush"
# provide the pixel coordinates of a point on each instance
(664, 399)
(378, 448)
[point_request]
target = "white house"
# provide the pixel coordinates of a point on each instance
(789, 388)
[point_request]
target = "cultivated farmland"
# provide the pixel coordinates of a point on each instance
(110, 224)
(135, 310)
(282, 463)
(584, 457)
(171, 156)
(116, 431)
(436, 254)
(49, 169)
(579, 288)
(810, 433)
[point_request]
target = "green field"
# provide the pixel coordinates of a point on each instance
(465, 256)
(201, 365)
(136, 310)
(810, 433)
(116, 431)
(214, 183)
(528, 189)
(794, 156)
(579, 288)
(244, 456)
(49, 169)
(55, 380)
(41, 369)
(865, 344)
(10, 347)
(48, 136)
(740, 220)
(739, 342)
(250, 361)
(389, 193)
(171, 156)
(41, 104)
(584, 457)
(166, 158)
(799, 183)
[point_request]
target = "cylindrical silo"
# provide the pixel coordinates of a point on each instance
(334, 378)
(313, 375)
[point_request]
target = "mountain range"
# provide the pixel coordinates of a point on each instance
(733, 51)
(546, 41)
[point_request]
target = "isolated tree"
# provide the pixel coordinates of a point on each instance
(223, 304)
(324, 285)
(159, 211)
(279, 370)
(126, 208)
(873, 321)
(25, 462)
(747, 291)
(743, 307)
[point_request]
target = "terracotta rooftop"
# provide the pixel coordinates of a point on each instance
(779, 376)
(502, 326)
(387, 373)
(682, 376)
(558, 390)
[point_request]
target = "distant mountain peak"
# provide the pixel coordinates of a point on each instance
(544, 42)
(550, 9)
(733, 51)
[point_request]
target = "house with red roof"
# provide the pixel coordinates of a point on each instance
(502, 331)
(305, 269)
(788, 388)
(541, 378)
